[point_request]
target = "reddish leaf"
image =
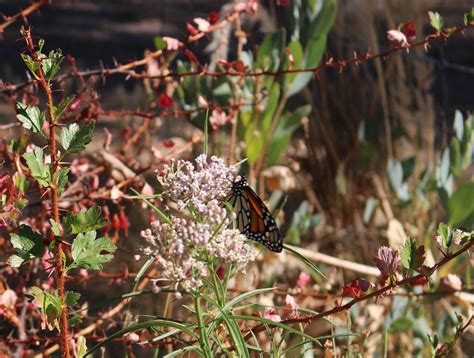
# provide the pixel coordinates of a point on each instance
(192, 30)
(115, 222)
(213, 17)
(165, 100)
(4, 183)
(356, 288)
(420, 281)
(74, 105)
(239, 66)
(191, 57)
(71, 60)
(283, 2)
(124, 223)
(221, 271)
(168, 143)
(409, 31)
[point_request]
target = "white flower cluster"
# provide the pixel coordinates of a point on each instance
(184, 248)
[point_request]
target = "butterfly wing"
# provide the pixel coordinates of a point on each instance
(254, 219)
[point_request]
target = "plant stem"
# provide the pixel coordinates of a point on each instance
(203, 340)
(60, 271)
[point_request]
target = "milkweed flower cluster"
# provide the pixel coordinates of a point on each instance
(185, 246)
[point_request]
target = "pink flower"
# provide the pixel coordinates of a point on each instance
(388, 261)
(451, 283)
(218, 118)
(203, 25)
(291, 302)
(272, 316)
(171, 43)
(303, 280)
(202, 101)
(397, 38)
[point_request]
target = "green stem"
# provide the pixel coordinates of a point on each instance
(203, 339)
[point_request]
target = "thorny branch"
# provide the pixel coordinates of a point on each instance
(128, 69)
(22, 14)
(377, 293)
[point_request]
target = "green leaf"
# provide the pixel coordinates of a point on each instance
(50, 65)
(402, 324)
(50, 305)
(86, 220)
(461, 206)
(21, 183)
(72, 298)
(55, 227)
(38, 169)
(61, 179)
(81, 347)
(287, 124)
(325, 19)
(31, 64)
(436, 21)
(469, 17)
(87, 251)
(74, 139)
(58, 111)
(412, 257)
(458, 124)
(31, 118)
(446, 234)
(160, 44)
(28, 245)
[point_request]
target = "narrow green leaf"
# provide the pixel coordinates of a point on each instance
(461, 206)
(87, 251)
(74, 138)
(135, 327)
(31, 118)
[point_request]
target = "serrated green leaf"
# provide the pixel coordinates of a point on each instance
(50, 305)
(74, 138)
(412, 257)
(72, 298)
(31, 64)
(31, 118)
(55, 227)
(50, 65)
(58, 111)
(61, 177)
(28, 245)
(38, 169)
(436, 21)
(87, 253)
(84, 221)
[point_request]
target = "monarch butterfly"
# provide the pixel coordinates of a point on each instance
(254, 220)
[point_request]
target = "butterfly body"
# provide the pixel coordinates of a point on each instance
(254, 219)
